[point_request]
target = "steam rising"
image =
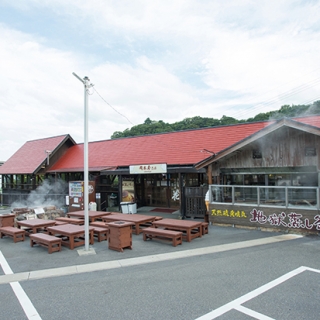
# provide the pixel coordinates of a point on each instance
(51, 193)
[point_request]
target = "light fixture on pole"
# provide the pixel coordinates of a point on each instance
(87, 85)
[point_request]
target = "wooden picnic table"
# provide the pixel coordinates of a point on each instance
(92, 215)
(72, 235)
(190, 229)
(35, 225)
(137, 219)
(76, 221)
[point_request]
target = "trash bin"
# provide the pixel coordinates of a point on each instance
(92, 206)
(125, 207)
(132, 207)
(120, 235)
(128, 207)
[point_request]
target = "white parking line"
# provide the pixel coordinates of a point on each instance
(24, 300)
(252, 313)
(13, 279)
(236, 304)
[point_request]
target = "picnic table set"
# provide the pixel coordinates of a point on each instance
(117, 228)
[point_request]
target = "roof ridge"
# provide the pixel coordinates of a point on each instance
(47, 138)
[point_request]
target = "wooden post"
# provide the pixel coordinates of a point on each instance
(209, 173)
(120, 190)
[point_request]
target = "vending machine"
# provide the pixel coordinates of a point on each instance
(76, 195)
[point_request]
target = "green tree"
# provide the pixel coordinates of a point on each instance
(228, 120)
(151, 126)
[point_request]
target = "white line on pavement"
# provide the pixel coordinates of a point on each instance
(252, 313)
(238, 302)
(24, 300)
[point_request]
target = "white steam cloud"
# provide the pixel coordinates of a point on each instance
(51, 193)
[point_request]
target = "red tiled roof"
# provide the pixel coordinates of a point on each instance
(31, 155)
(174, 148)
(310, 120)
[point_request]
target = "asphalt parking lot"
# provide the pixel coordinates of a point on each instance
(228, 274)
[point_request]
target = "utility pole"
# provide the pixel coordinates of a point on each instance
(87, 85)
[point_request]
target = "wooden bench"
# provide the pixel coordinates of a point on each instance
(13, 232)
(101, 233)
(71, 220)
(51, 242)
(152, 233)
(204, 226)
(59, 223)
(149, 224)
(98, 224)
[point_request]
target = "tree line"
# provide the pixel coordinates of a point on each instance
(151, 126)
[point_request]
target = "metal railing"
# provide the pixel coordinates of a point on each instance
(266, 196)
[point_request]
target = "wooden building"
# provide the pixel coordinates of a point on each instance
(270, 179)
(248, 167)
(27, 169)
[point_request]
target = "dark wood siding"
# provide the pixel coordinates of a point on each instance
(284, 148)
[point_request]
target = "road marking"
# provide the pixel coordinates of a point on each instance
(22, 297)
(252, 313)
(236, 304)
(107, 265)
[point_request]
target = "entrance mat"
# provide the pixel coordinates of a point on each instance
(166, 210)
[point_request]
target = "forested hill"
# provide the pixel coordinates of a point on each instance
(151, 126)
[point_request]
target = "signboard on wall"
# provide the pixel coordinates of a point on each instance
(148, 168)
(128, 192)
(276, 218)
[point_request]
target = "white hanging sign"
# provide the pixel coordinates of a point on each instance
(148, 168)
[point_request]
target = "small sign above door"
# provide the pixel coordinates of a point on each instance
(148, 168)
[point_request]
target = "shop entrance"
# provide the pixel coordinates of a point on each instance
(161, 190)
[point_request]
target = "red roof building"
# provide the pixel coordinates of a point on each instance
(33, 156)
(189, 156)
(173, 148)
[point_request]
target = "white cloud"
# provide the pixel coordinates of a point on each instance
(46, 100)
(166, 60)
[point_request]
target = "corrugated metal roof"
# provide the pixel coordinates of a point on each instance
(31, 155)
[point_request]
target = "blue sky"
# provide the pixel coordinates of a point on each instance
(166, 60)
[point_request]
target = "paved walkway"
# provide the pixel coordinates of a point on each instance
(22, 267)
(9, 276)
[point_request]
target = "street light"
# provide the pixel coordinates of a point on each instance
(87, 85)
